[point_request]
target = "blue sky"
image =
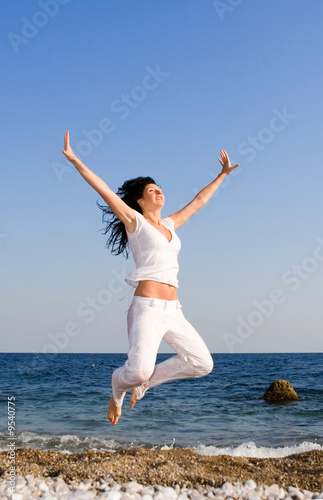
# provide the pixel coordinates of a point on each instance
(159, 88)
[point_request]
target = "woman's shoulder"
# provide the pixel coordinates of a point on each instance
(168, 221)
(138, 214)
(139, 220)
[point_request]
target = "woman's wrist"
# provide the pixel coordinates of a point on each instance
(76, 161)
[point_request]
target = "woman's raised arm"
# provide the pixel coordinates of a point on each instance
(125, 213)
(205, 194)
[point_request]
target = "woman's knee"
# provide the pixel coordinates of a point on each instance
(139, 366)
(143, 375)
(209, 365)
(138, 375)
(206, 365)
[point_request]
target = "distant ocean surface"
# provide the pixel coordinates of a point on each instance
(61, 402)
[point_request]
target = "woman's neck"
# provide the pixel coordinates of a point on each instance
(153, 217)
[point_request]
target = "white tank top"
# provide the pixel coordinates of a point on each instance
(155, 257)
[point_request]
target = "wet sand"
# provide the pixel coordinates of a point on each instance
(169, 467)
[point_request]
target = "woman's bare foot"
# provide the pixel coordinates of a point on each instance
(113, 412)
(138, 393)
(133, 399)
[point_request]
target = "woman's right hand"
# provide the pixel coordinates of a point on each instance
(67, 151)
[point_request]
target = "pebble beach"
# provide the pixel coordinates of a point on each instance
(145, 474)
(237, 447)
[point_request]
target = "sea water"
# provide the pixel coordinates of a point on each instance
(61, 401)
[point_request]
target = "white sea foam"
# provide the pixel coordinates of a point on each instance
(168, 447)
(252, 450)
(68, 443)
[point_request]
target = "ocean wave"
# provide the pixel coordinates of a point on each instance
(65, 443)
(251, 450)
(68, 443)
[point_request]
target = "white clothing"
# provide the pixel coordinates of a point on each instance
(155, 257)
(149, 321)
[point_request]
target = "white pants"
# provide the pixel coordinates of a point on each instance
(149, 321)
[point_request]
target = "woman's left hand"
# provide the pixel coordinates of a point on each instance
(226, 164)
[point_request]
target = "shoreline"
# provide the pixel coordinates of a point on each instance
(166, 468)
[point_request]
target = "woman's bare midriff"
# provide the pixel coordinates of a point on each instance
(156, 290)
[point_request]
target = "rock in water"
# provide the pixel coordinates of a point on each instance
(280, 391)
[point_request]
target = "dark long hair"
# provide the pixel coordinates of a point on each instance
(130, 191)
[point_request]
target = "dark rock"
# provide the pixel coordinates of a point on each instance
(280, 392)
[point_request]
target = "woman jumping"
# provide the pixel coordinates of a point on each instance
(133, 218)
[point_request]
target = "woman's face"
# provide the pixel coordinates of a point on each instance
(152, 197)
